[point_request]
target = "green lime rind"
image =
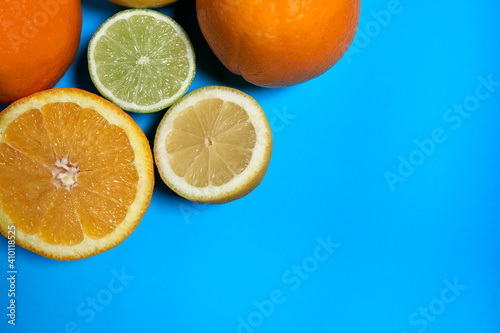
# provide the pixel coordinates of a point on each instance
(141, 60)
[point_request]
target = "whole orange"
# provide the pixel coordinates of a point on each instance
(38, 43)
(277, 43)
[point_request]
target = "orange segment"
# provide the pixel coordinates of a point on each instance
(60, 224)
(60, 120)
(119, 183)
(106, 153)
(76, 173)
(24, 182)
(27, 133)
(16, 167)
(99, 215)
(90, 127)
(111, 153)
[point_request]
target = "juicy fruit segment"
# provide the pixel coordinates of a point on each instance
(211, 142)
(214, 145)
(64, 193)
(76, 177)
(24, 181)
(141, 60)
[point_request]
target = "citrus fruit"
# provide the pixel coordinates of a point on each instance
(141, 60)
(214, 145)
(278, 43)
(38, 43)
(76, 173)
(143, 3)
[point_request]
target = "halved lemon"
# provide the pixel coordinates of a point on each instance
(214, 145)
(76, 173)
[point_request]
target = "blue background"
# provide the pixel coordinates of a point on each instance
(398, 248)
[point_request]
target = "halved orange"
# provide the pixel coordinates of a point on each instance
(76, 173)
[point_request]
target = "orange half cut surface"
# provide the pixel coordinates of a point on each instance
(76, 173)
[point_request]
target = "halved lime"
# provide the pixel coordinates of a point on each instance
(141, 60)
